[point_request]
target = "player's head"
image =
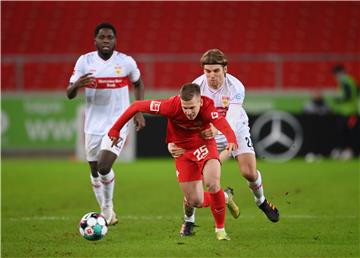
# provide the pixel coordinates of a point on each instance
(214, 64)
(191, 101)
(338, 71)
(105, 39)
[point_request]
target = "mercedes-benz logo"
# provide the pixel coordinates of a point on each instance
(277, 136)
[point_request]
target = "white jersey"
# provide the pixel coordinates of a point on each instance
(228, 100)
(231, 93)
(110, 97)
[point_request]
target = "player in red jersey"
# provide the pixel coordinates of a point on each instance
(189, 114)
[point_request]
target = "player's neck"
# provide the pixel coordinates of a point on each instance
(105, 56)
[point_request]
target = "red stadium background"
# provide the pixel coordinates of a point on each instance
(277, 46)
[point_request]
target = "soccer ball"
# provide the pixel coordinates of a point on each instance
(93, 226)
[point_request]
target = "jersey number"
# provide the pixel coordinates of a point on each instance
(248, 142)
(201, 153)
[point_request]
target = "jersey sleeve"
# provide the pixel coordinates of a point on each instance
(210, 114)
(134, 72)
(237, 92)
(155, 107)
(79, 69)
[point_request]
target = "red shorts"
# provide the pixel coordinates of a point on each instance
(189, 166)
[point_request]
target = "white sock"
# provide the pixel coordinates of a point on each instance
(257, 188)
(98, 189)
(108, 182)
(191, 218)
(226, 197)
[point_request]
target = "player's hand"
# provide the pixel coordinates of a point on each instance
(86, 80)
(175, 151)
(114, 136)
(139, 121)
(210, 132)
(231, 147)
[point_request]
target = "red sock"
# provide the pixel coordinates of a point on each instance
(217, 205)
(207, 199)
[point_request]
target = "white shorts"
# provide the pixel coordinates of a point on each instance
(95, 143)
(243, 139)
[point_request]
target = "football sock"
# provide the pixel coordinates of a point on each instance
(108, 182)
(217, 205)
(98, 189)
(226, 197)
(257, 188)
(207, 199)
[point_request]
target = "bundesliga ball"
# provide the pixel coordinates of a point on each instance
(93, 226)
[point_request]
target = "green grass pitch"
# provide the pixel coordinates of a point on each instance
(43, 201)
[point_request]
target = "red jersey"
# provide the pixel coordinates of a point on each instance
(183, 132)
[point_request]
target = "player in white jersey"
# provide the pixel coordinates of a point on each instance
(105, 75)
(228, 94)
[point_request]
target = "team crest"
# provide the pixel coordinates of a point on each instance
(118, 70)
(225, 101)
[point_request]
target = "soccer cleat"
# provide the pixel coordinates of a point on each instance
(222, 235)
(109, 215)
(270, 211)
(187, 229)
(232, 206)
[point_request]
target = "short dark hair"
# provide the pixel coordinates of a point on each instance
(213, 56)
(189, 90)
(104, 25)
(338, 68)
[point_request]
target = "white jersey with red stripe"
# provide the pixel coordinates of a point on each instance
(110, 97)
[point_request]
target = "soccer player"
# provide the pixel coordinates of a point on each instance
(106, 76)
(228, 94)
(189, 114)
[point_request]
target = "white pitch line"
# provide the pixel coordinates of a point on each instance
(134, 217)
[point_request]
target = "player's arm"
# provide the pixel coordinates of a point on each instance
(139, 119)
(223, 126)
(210, 132)
(83, 81)
(145, 106)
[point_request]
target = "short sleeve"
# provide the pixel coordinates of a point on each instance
(79, 69)
(134, 72)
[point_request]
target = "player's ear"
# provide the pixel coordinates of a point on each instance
(225, 69)
(201, 101)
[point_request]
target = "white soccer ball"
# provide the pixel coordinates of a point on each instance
(93, 226)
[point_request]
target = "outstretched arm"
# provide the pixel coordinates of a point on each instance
(223, 126)
(137, 106)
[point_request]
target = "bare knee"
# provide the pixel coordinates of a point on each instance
(194, 202)
(248, 171)
(104, 168)
(213, 187)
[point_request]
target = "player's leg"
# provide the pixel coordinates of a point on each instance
(107, 157)
(97, 186)
(107, 177)
(92, 147)
(211, 175)
(194, 196)
(247, 166)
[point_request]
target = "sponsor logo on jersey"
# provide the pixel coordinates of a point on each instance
(214, 115)
(155, 106)
(111, 83)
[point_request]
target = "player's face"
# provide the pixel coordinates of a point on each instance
(191, 108)
(215, 75)
(105, 41)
